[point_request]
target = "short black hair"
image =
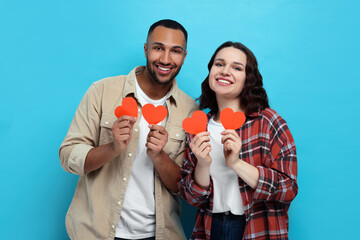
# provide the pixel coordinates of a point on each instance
(168, 23)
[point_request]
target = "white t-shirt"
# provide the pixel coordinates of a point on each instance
(137, 218)
(225, 181)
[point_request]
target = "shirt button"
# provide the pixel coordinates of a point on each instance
(139, 110)
(124, 179)
(106, 122)
(177, 135)
(119, 202)
(226, 213)
(136, 130)
(130, 154)
(113, 226)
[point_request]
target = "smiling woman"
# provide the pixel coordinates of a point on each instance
(227, 75)
(239, 178)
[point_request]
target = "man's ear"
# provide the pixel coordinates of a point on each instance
(184, 57)
(145, 49)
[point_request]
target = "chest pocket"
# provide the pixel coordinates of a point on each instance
(176, 139)
(106, 124)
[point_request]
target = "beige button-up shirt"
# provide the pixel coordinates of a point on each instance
(96, 207)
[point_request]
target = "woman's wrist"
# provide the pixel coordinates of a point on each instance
(236, 165)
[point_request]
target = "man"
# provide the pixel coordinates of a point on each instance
(128, 169)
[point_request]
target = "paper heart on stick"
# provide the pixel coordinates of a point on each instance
(152, 114)
(128, 107)
(195, 124)
(231, 119)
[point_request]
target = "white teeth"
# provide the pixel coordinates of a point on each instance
(164, 69)
(223, 81)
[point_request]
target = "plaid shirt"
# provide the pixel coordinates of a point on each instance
(267, 144)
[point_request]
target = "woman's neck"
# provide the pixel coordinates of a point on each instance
(223, 103)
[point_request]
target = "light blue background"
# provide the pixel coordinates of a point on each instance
(51, 51)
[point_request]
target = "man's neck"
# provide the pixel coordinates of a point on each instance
(152, 89)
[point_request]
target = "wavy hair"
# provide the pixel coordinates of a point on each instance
(253, 97)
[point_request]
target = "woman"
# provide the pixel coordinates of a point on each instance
(242, 181)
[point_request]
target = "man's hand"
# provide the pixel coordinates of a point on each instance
(232, 147)
(156, 140)
(122, 133)
(101, 155)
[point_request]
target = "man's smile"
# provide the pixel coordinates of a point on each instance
(162, 70)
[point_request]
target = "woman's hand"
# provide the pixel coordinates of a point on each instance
(232, 147)
(201, 148)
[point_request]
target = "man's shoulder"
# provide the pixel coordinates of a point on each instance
(117, 81)
(185, 101)
(114, 81)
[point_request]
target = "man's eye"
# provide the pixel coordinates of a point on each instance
(176, 51)
(157, 48)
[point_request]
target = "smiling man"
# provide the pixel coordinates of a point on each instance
(128, 169)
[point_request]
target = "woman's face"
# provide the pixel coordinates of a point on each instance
(227, 75)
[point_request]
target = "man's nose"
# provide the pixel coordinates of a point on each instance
(165, 58)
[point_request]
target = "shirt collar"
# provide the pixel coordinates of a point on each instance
(252, 115)
(255, 114)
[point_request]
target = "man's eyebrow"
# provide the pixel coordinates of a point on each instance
(161, 44)
(157, 43)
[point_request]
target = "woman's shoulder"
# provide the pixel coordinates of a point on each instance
(271, 117)
(269, 113)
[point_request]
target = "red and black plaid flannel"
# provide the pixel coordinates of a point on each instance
(268, 145)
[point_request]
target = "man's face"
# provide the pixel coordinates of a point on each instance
(165, 53)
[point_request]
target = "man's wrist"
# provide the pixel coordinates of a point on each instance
(158, 157)
(115, 149)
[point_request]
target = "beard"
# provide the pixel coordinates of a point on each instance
(156, 79)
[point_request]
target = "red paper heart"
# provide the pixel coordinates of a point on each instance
(231, 120)
(195, 124)
(128, 107)
(152, 114)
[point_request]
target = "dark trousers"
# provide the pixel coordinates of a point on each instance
(227, 226)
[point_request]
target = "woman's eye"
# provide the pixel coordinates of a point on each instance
(218, 64)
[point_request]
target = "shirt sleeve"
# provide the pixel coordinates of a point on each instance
(189, 190)
(278, 174)
(83, 134)
(179, 159)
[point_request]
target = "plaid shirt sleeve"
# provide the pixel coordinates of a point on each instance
(277, 180)
(189, 190)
